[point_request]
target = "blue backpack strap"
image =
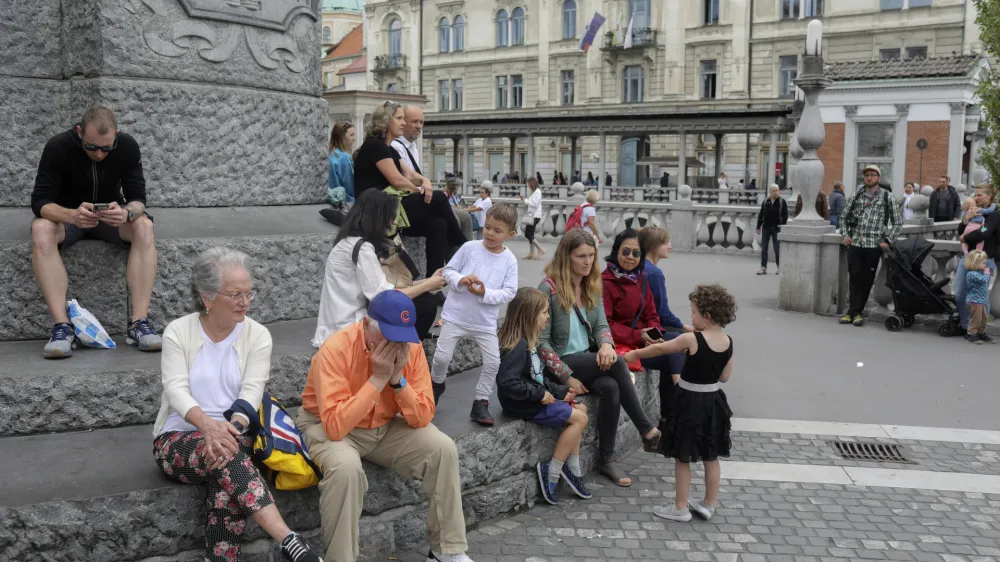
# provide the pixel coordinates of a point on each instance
(265, 429)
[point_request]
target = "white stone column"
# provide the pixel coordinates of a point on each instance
(416, 50)
(772, 152)
(543, 31)
(603, 158)
(681, 161)
(468, 164)
(672, 34)
(530, 164)
(850, 147)
(899, 146)
(956, 141)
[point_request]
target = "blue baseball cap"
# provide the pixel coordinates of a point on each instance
(396, 316)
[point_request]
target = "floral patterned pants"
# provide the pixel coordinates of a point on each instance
(235, 491)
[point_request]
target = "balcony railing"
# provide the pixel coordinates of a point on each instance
(389, 62)
(644, 37)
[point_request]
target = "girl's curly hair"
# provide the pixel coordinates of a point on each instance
(715, 302)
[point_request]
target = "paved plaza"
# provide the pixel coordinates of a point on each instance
(800, 381)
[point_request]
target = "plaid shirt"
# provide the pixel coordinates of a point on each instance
(864, 219)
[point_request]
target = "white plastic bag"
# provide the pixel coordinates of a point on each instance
(88, 330)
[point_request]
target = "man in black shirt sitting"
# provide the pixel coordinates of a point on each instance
(90, 185)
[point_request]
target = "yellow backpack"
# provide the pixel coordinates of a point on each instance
(279, 446)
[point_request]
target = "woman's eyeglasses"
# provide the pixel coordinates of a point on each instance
(236, 297)
(636, 253)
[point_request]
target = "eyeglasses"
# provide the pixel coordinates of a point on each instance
(249, 295)
(94, 148)
(348, 124)
(636, 253)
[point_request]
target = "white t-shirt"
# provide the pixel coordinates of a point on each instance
(346, 287)
(215, 380)
(589, 212)
(485, 205)
(497, 271)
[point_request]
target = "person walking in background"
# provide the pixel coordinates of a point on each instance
(773, 214)
(482, 276)
(480, 206)
(453, 190)
(555, 177)
(562, 179)
(527, 390)
(340, 184)
(590, 179)
(837, 202)
(753, 184)
(532, 217)
(607, 179)
(538, 177)
(946, 205)
(698, 420)
(821, 206)
(870, 221)
(977, 295)
(665, 179)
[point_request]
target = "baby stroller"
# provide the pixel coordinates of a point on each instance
(913, 292)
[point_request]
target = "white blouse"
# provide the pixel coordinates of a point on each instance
(346, 287)
(534, 203)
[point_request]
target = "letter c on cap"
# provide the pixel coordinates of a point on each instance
(405, 316)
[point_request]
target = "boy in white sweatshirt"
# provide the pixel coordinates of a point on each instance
(481, 277)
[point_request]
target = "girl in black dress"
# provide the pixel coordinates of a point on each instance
(696, 427)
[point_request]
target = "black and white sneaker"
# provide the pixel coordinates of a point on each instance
(435, 557)
(294, 549)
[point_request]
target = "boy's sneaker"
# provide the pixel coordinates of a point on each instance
(61, 342)
(973, 338)
(858, 320)
(846, 319)
(673, 514)
(481, 412)
(435, 557)
(549, 489)
(142, 335)
(294, 549)
(701, 510)
(575, 483)
(438, 388)
(986, 339)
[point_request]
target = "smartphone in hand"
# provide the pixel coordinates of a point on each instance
(98, 207)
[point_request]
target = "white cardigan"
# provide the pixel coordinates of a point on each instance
(182, 340)
(534, 202)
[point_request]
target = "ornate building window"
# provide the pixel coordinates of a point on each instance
(569, 19)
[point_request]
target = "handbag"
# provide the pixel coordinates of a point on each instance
(528, 220)
(398, 266)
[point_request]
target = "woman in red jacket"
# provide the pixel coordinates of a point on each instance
(631, 311)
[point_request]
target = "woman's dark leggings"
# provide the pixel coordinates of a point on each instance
(615, 390)
(436, 222)
(529, 231)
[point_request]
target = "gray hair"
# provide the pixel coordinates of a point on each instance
(372, 323)
(381, 117)
(775, 186)
(208, 269)
(593, 196)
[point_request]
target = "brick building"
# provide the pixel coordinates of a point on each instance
(876, 112)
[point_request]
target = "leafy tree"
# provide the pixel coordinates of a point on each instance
(988, 19)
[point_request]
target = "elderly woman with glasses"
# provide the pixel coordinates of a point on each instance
(425, 213)
(211, 359)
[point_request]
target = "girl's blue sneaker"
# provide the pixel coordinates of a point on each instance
(576, 483)
(549, 489)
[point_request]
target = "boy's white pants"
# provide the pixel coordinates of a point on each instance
(488, 345)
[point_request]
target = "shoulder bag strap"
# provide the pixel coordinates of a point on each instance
(642, 299)
(357, 250)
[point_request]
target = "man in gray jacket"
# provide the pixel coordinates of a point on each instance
(946, 205)
(837, 203)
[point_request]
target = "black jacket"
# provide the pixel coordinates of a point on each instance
(520, 396)
(772, 213)
(989, 234)
(947, 210)
(68, 177)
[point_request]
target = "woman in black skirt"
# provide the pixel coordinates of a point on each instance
(697, 423)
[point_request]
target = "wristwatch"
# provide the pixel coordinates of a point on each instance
(131, 215)
(401, 385)
(239, 426)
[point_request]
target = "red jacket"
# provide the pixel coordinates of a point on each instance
(621, 305)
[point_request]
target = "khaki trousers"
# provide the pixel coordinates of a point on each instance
(425, 454)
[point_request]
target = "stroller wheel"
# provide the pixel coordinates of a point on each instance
(946, 329)
(894, 323)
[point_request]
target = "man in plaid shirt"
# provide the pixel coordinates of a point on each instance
(870, 221)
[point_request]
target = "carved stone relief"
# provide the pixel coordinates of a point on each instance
(249, 23)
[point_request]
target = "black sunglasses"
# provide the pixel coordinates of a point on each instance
(636, 253)
(94, 148)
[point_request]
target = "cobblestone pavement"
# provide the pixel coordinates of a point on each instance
(935, 456)
(756, 522)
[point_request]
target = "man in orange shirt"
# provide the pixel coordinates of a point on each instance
(359, 380)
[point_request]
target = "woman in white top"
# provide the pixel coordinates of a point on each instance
(349, 283)
(588, 217)
(908, 190)
(479, 208)
(213, 359)
(534, 215)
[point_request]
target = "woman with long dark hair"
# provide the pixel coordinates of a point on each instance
(425, 212)
(577, 347)
(355, 269)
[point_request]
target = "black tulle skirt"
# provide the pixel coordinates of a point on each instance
(696, 427)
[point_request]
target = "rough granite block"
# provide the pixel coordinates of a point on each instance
(208, 146)
(31, 111)
(287, 272)
(97, 284)
(30, 39)
(159, 39)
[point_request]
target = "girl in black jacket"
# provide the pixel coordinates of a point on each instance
(526, 392)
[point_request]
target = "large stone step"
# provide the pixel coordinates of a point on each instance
(98, 496)
(288, 246)
(99, 388)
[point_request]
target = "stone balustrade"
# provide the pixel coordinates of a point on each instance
(651, 194)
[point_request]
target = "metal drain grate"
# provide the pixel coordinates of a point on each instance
(872, 452)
